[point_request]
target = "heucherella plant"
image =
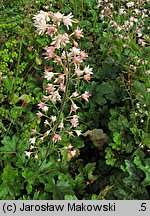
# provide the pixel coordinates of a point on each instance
(58, 109)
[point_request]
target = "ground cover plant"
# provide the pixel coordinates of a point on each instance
(75, 100)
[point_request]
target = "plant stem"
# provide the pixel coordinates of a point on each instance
(147, 123)
(58, 119)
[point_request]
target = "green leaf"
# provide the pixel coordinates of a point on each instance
(141, 88)
(145, 167)
(26, 98)
(16, 112)
(59, 189)
(110, 159)
(88, 170)
(117, 138)
(79, 184)
(146, 140)
(114, 112)
(9, 144)
(97, 136)
(62, 188)
(4, 190)
(77, 142)
(11, 179)
(41, 195)
(135, 175)
(27, 173)
(14, 144)
(16, 98)
(38, 61)
(8, 83)
(70, 197)
(29, 187)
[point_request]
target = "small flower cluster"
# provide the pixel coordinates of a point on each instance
(71, 152)
(61, 86)
(133, 18)
(141, 112)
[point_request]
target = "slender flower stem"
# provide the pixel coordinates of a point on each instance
(147, 123)
(58, 119)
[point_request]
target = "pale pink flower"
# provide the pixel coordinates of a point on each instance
(148, 90)
(28, 154)
(77, 60)
(41, 27)
(32, 140)
(50, 88)
(74, 121)
(41, 105)
(142, 42)
(138, 31)
(78, 32)
(73, 153)
(85, 96)
(40, 21)
(122, 11)
(48, 75)
(78, 72)
(130, 4)
(57, 18)
(46, 133)
(64, 54)
(49, 52)
(55, 96)
(46, 98)
(74, 107)
(78, 132)
(87, 77)
(53, 118)
(62, 88)
(57, 59)
(119, 28)
(42, 138)
(75, 51)
(61, 40)
(56, 138)
(88, 70)
(137, 11)
(75, 43)
(98, 5)
(147, 72)
(31, 147)
(83, 55)
(46, 122)
(51, 30)
(36, 157)
(67, 20)
(41, 16)
(45, 108)
(60, 79)
(61, 125)
(39, 114)
(70, 146)
(75, 94)
(33, 131)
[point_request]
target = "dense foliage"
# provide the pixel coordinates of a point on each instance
(101, 148)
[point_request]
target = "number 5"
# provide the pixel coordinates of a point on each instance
(143, 207)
